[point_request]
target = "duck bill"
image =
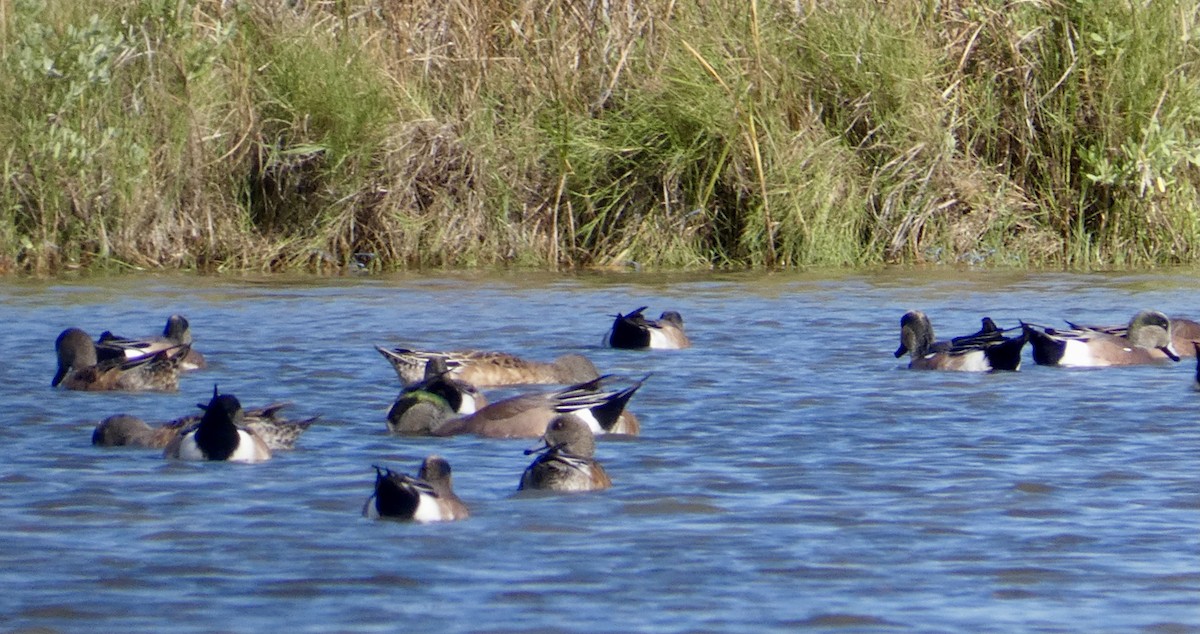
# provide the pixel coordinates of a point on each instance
(541, 447)
(1169, 350)
(901, 350)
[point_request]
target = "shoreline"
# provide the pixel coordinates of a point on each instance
(320, 136)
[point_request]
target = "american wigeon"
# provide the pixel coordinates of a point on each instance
(566, 459)
(423, 406)
(491, 369)
(634, 331)
(176, 333)
(79, 368)
(1183, 332)
(220, 435)
(1147, 340)
(429, 497)
(124, 430)
(418, 413)
(983, 351)
(527, 415)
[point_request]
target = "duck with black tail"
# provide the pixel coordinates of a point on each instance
(429, 497)
(635, 332)
(220, 436)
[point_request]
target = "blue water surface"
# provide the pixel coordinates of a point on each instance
(791, 474)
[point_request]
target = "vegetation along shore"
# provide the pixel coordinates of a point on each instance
(308, 135)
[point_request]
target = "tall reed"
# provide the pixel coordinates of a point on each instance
(386, 133)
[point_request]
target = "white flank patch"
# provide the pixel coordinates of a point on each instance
(587, 417)
(1078, 354)
(369, 510)
(659, 340)
(428, 510)
(247, 449)
(975, 361)
(468, 405)
(189, 450)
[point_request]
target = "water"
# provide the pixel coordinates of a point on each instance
(790, 475)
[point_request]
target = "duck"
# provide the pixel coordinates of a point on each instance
(491, 369)
(1184, 334)
(633, 331)
(423, 406)
(176, 333)
(124, 430)
(418, 413)
(80, 369)
(429, 497)
(274, 430)
(1147, 341)
(220, 435)
(1184, 331)
(565, 459)
(527, 415)
(984, 351)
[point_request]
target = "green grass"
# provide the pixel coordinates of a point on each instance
(217, 136)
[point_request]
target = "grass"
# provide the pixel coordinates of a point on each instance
(308, 136)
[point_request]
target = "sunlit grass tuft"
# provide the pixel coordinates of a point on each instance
(223, 136)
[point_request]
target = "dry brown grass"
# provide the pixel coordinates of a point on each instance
(463, 133)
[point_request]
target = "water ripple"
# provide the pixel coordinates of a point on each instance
(791, 475)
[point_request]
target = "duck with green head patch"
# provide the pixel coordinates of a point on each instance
(1147, 341)
(1184, 332)
(439, 397)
